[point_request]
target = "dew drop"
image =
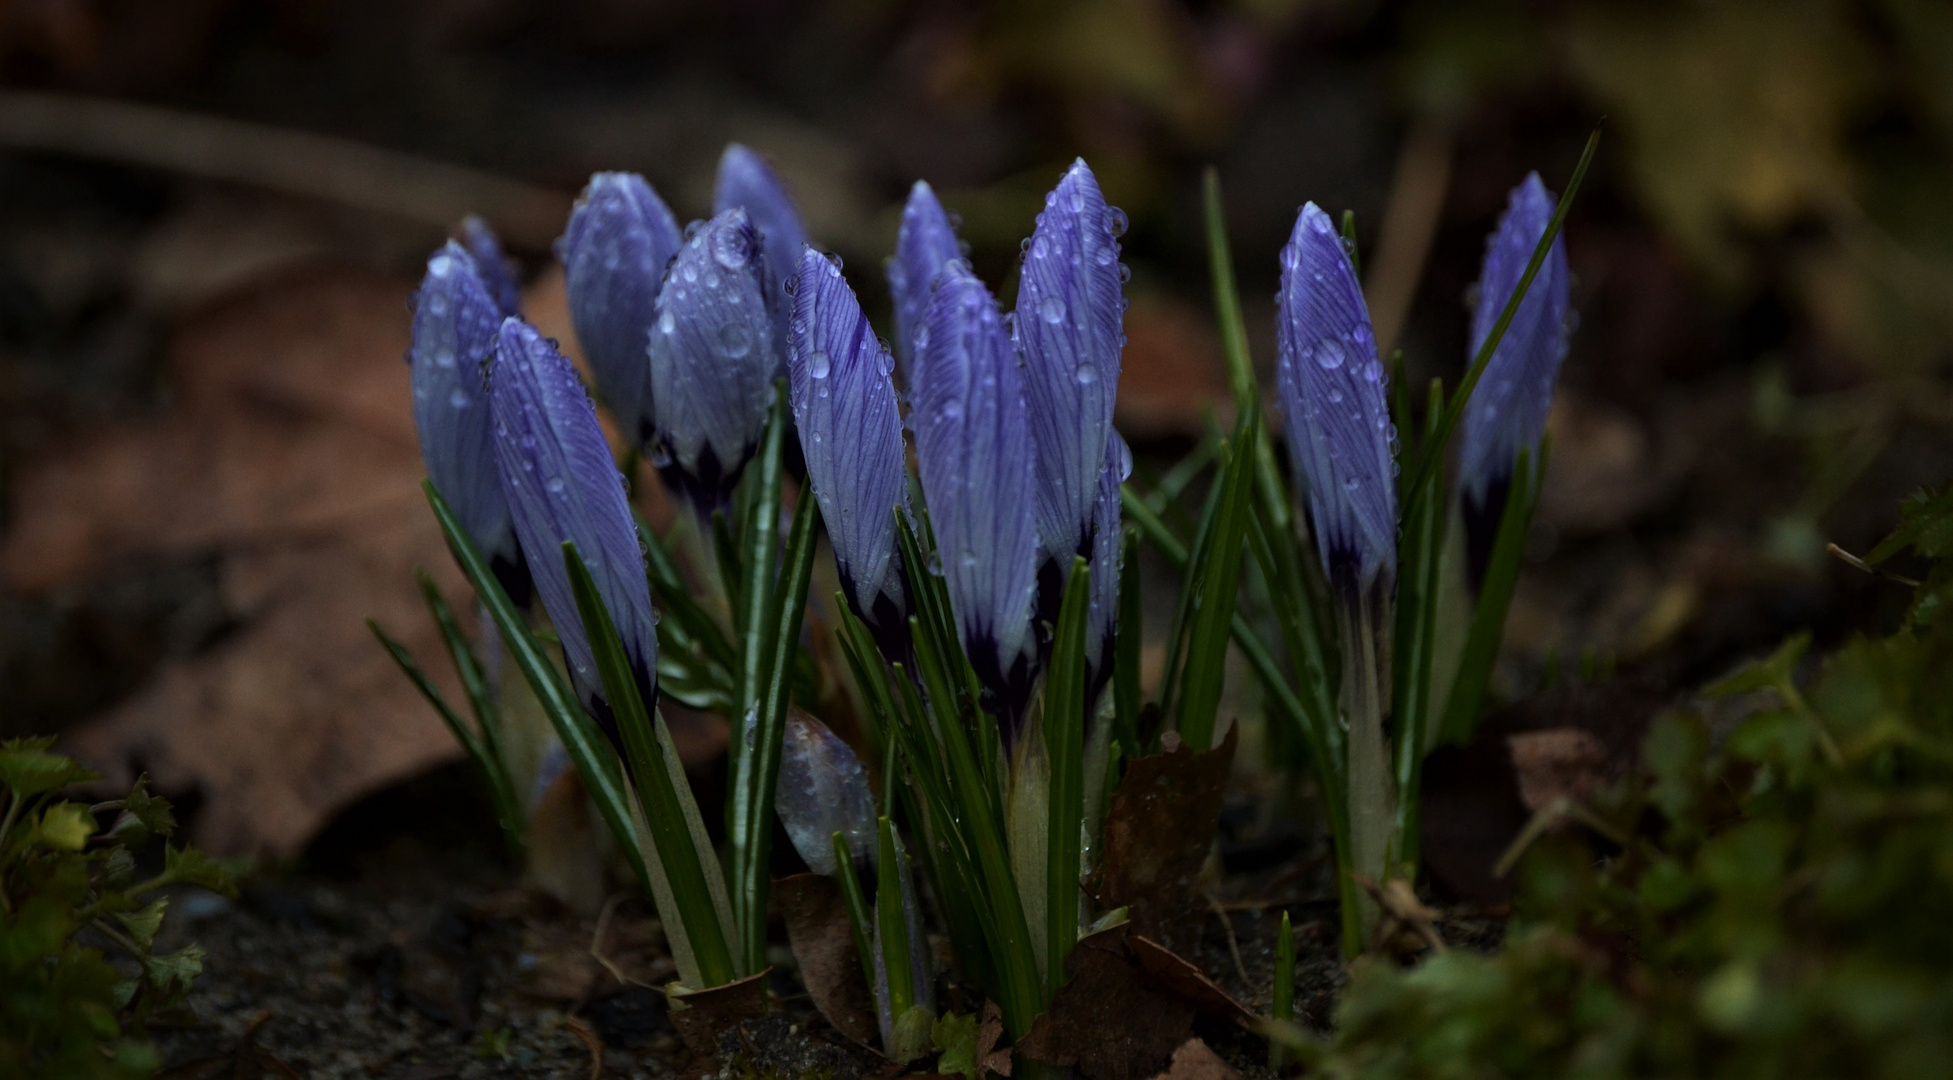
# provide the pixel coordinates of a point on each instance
(1373, 372)
(1328, 355)
(666, 324)
(458, 398)
(444, 358)
(951, 410)
(1125, 273)
(1104, 255)
(1335, 396)
(817, 364)
(1051, 310)
(1086, 374)
(1078, 200)
(935, 564)
(555, 485)
(437, 304)
(1351, 483)
(689, 273)
(736, 340)
(1115, 220)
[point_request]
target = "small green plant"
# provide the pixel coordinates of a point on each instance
(67, 890)
(1776, 903)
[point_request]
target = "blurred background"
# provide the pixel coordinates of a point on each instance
(212, 213)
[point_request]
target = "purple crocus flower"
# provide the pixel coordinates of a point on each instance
(455, 318)
(620, 237)
(926, 242)
(746, 182)
(1108, 550)
(1508, 407)
(712, 365)
(973, 446)
(1332, 391)
(822, 790)
(496, 271)
(851, 437)
(562, 486)
(1069, 329)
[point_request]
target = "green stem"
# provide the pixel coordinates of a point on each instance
(1371, 802)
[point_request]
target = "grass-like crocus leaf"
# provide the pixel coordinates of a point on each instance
(755, 552)
(578, 732)
(1220, 579)
(1494, 597)
(666, 819)
(891, 927)
(1125, 651)
(1420, 553)
(1064, 741)
(760, 763)
(508, 812)
(858, 913)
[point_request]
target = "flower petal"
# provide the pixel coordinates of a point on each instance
(927, 242)
(746, 182)
(496, 271)
(822, 790)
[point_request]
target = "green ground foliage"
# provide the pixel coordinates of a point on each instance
(68, 891)
(1777, 901)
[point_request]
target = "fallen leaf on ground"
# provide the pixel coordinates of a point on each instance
(289, 455)
(822, 937)
(1195, 1060)
(1558, 763)
(701, 1015)
(1180, 977)
(1158, 831)
(1107, 1020)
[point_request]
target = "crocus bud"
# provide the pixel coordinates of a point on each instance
(620, 237)
(926, 242)
(851, 437)
(1332, 391)
(712, 363)
(1108, 550)
(973, 448)
(746, 182)
(1069, 328)
(563, 487)
(455, 319)
(496, 271)
(1507, 409)
(823, 790)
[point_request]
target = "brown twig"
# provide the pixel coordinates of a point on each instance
(597, 945)
(1233, 942)
(590, 1040)
(336, 170)
(1411, 216)
(1854, 561)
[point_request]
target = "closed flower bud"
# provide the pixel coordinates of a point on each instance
(614, 253)
(455, 319)
(746, 182)
(712, 363)
(1508, 407)
(851, 437)
(496, 271)
(926, 243)
(1069, 330)
(973, 446)
(563, 487)
(1332, 389)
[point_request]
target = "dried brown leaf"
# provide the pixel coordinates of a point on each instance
(1158, 832)
(822, 937)
(1107, 1020)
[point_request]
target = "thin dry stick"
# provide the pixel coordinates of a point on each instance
(1233, 943)
(597, 944)
(1410, 221)
(591, 1042)
(336, 170)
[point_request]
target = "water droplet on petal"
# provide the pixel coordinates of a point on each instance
(1051, 310)
(1351, 483)
(458, 398)
(1115, 220)
(1104, 255)
(1086, 374)
(1328, 354)
(817, 364)
(736, 340)
(555, 485)
(666, 324)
